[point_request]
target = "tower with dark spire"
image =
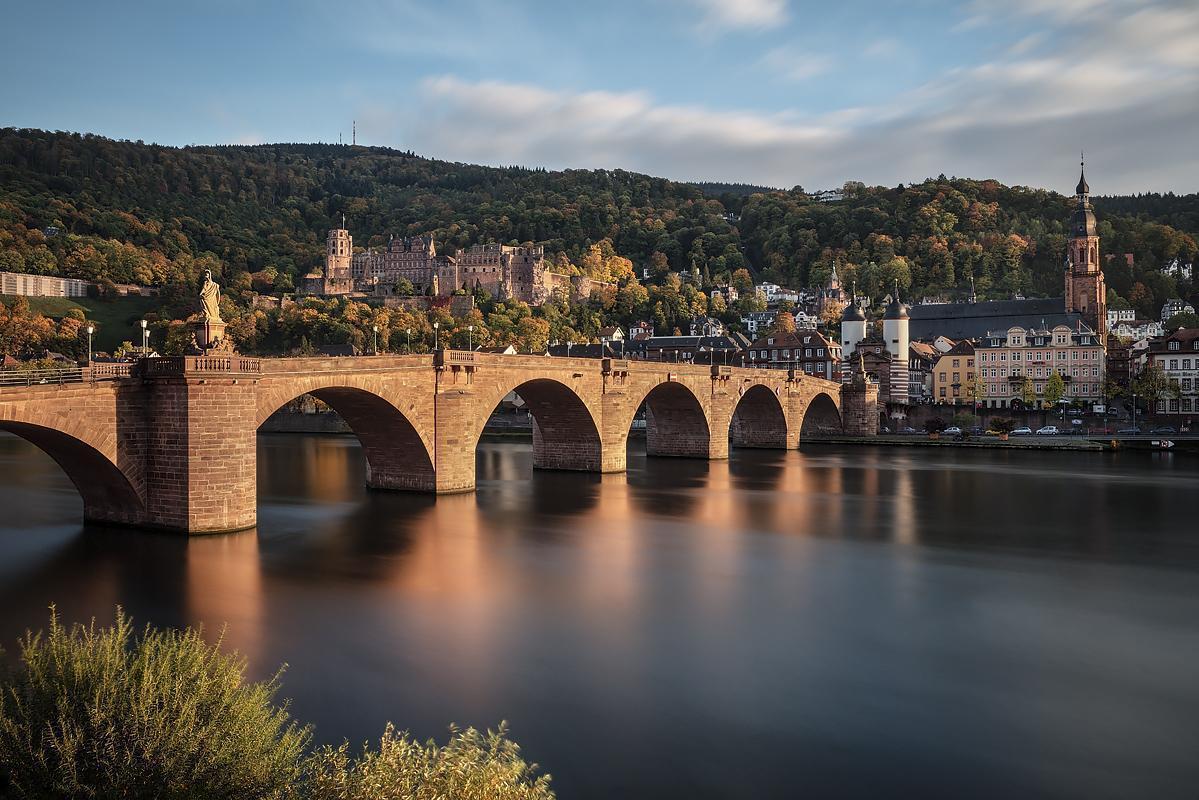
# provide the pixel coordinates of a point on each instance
(1085, 289)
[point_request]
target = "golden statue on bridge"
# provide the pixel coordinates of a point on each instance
(208, 332)
(210, 298)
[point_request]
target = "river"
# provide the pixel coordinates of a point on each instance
(833, 622)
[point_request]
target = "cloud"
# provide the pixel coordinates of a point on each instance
(789, 64)
(1124, 85)
(723, 15)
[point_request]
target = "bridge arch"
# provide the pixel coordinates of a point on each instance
(397, 456)
(758, 420)
(676, 423)
(107, 491)
(565, 433)
(821, 415)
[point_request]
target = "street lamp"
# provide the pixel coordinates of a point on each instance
(145, 339)
(90, 330)
(375, 338)
(568, 346)
(436, 325)
(470, 337)
(408, 347)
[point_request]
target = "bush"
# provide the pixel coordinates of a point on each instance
(1003, 425)
(471, 766)
(99, 712)
(964, 420)
(934, 425)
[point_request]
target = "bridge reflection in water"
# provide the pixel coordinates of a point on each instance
(779, 613)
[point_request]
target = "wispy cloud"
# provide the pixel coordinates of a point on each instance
(794, 64)
(1129, 74)
(723, 15)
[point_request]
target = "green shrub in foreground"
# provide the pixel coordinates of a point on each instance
(472, 766)
(102, 713)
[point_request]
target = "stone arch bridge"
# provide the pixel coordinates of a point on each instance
(173, 445)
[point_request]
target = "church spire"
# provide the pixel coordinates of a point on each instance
(1082, 189)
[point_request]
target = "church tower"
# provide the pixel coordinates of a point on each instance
(1086, 292)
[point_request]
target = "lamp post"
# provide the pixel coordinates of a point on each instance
(375, 338)
(436, 325)
(408, 346)
(90, 330)
(145, 338)
(568, 346)
(470, 333)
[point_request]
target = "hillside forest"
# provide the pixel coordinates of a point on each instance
(119, 212)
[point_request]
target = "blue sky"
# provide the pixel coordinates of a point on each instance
(779, 92)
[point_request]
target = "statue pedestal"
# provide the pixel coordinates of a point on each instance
(210, 336)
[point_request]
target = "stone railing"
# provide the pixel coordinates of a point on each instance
(185, 365)
(453, 358)
(37, 377)
(110, 370)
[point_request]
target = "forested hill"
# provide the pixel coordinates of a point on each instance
(123, 211)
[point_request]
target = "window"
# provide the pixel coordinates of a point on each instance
(1173, 363)
(1186, 404)
(1186, 363)
(957, 377)
(1186, 384)
(819, 352)
(969, 362)
(957, 362)
(1172, 346)
(807, 353)
(942, 379)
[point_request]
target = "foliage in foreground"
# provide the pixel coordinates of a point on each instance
(104, 713)
(100, 712)
(472, 766)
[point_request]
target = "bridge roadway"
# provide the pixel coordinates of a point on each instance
(173, 445)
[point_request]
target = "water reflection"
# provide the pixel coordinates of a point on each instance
(856, 622)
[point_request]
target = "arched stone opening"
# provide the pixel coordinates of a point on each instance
(108, 493)
(565, 435)
(758, 420)
(396, 456)
(821, 418)
(675, 424)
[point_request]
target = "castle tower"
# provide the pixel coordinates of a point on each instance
(1086, 292)
(895, 337)
(339, 253)
(853, 330)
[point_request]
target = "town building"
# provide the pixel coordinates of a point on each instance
(1178, 357)
(1137, 329)
(1175, 306)
(725, 349)
(1119, 364)
(805, 349)
(953, 375)
(1006, 358)
(831, 299)
(706, 326)
(1117, 315)
(758, 322)
(20, 283)
(775, 294)
(922, 357)
(1086, 290)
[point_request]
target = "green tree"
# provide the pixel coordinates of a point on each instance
(1055, 389)
(1153, 384)
(1028, 392)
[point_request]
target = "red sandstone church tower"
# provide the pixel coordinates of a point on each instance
(1086, 291)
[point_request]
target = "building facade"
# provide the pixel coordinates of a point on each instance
(1178, 357)
(1006, 358)
(807, 349)
(953, 376)
(20, 283)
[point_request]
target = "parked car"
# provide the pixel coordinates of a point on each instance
(1165, 429)
(908, 430)
(1074, 412)
(1129, 430)
(977, 431)
(1025, 431)
(1048, 430)
(952, 430)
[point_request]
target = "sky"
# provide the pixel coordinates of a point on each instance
(771, 92)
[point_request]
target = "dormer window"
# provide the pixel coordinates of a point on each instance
(1173, 346)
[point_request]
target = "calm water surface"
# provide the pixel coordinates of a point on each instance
(853, 622)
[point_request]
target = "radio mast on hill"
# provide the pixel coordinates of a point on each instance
(354, 135)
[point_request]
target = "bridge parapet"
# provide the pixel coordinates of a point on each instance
(169, 366)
